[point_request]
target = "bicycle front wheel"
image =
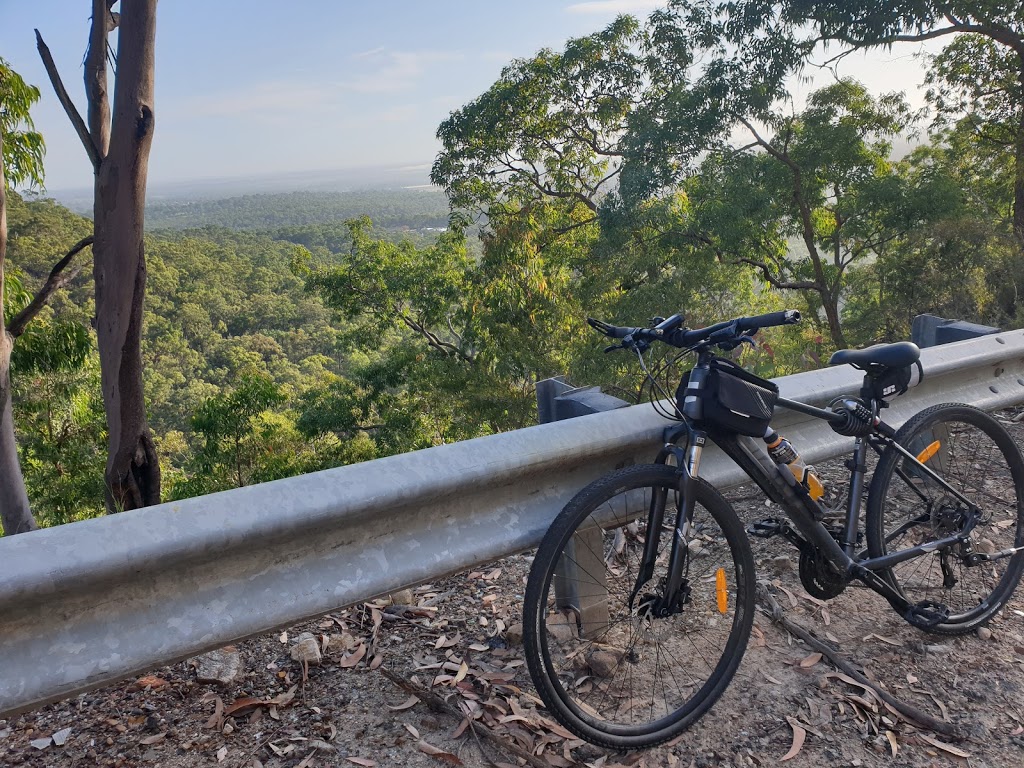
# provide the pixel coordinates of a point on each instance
(609, 669)
(978, 458)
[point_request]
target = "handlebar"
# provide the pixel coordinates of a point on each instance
(670, 330)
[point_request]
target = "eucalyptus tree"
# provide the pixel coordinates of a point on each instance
(979, 76)
(117, 138)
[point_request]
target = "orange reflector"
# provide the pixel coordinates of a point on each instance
(814, 486)
(928, 452)
(720, 591)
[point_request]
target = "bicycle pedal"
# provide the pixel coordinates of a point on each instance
(927, 614)
(766, 528)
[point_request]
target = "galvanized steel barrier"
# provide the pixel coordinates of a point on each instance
(96, 601)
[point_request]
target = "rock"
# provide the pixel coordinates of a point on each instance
(514, 634)
(61, 736)
(781, 564)
(603, 663)
(402, 597)
(306, 649)
(559, 628)
(221, 666)
(41, 743)
(984, 633)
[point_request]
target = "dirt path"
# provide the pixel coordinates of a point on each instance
(458, 640)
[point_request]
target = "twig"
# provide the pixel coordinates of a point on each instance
(441, 706)
(911, 713)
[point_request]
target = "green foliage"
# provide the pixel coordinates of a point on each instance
(23, 146)
(547, 129)
(62, 433)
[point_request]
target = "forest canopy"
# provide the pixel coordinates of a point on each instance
(652, 167)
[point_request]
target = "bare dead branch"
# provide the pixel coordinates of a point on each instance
(916, 717)
(65, 101)
(777, 282)
(57, 279)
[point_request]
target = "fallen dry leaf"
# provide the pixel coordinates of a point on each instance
(799, 734)
(353, 658)
(156, 739)
(410, 702)
(892, 742)
(152, 682)
(944, 746)
(364, 761)
(245, 704)
(306, 760)
(439, 753)
(285, 699)
(810, 660)
(217, 718)
(412, 731)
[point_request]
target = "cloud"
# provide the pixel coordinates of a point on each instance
(609, 7)
(375, 71)
(386, 71)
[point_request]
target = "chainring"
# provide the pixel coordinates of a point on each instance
(818, 579)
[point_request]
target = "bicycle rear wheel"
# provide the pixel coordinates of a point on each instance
(976, 456)
(609, 670)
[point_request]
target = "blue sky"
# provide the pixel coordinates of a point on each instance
(252, 87)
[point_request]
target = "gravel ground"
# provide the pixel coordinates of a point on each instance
(458, 639)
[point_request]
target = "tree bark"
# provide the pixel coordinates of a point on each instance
(119, 263)
(15, 513)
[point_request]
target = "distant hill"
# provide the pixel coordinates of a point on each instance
(389, 208)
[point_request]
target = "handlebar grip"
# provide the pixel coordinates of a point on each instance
(612, 331)
(785, 317)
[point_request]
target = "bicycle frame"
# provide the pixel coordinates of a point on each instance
(805, 514)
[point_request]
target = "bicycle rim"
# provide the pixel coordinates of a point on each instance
(609, 669)
(977, 457)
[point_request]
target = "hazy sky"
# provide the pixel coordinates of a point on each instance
(249, 87)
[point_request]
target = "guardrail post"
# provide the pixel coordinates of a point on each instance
(931, 330)
(580, 582)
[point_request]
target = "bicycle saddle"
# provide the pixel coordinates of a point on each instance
(889, 355)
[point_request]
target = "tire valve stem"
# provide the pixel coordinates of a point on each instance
(720, 591)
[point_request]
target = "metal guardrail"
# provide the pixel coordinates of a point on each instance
(95, 601)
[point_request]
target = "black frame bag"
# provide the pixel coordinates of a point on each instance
(729, 398)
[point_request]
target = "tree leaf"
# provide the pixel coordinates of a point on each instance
(892, 742)
(410, 702)
(799, 734)
(353, 658)
(439, 753)
(944, 746)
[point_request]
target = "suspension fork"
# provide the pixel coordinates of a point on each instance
(688, 466)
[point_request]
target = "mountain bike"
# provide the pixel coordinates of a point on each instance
(640, 600)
